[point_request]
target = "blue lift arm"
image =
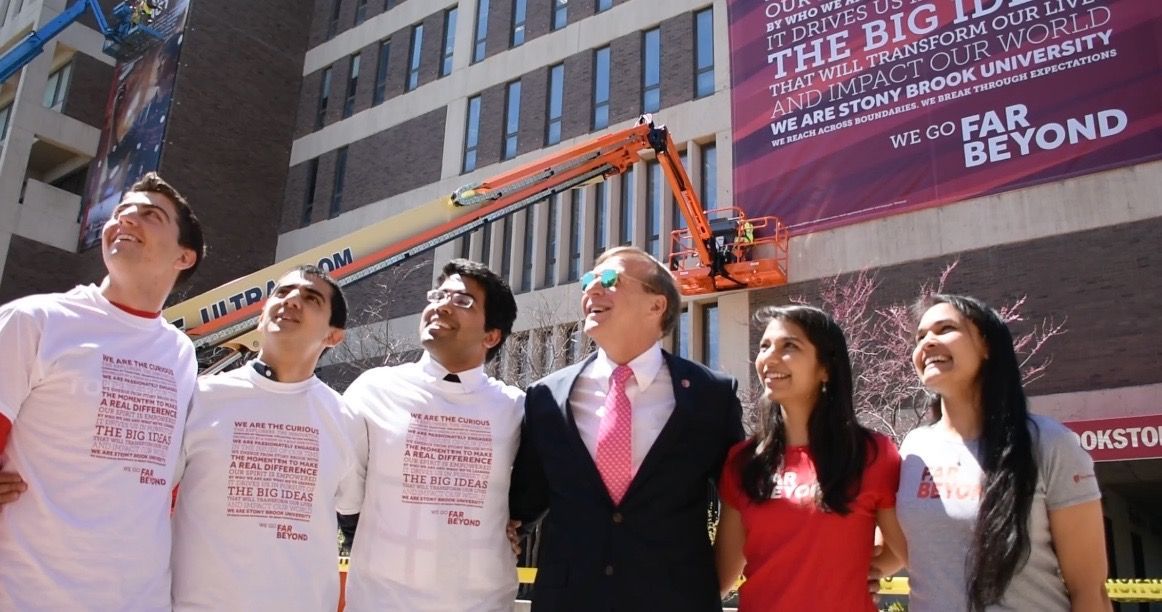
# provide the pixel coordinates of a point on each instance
(116, 36)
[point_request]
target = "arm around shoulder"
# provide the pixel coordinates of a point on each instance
(730, 534)
(20, 335)
(728, 548)
(894, 555)
(528, 492)
(5, 429)
(11, 484)
(1076, 525)
(349, 499)
(734, 430)
(19, 340)
(1077, 532)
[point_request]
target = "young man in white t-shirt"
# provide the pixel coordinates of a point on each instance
(266, 449)
(93, 395)
(435, 460)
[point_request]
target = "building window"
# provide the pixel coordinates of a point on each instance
(512, 119)
(556, 104)
(360, 11)
(526, 269)
(651, 70)
(710, 336)
(449, 41)
(709, 192)
(519, 8)
(1137, 551)
(352, 87)
(337, 190)
(679, 216)
(5, 119)
(601, 88)
(57, 87)
(506, 248)
(1111, 557)
(548, 351)
(309, 203)
(387, 4)
(485, 243)
(560, 13)
(73, 182)
(479, 49)
(627, 205)
(600, 217)
(414, 57)
(682, 335)
(577, 346)
(603, 5)
(654, 209)
(576, 206)
(553, 206)
(381, 73)
(472, 134)
(324, 96)
(704, 52)
(333, 25)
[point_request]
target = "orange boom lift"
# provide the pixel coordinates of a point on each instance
(718, 250)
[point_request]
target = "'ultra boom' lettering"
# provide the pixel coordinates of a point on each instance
(336, 261)
(255, 294)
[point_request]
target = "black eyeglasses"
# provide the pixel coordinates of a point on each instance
(459, 300)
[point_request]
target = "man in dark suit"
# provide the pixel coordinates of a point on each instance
(620, 449)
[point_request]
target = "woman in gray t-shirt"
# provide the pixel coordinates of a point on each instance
(1001, 509)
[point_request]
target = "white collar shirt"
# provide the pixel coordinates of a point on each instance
(470, 380)
(650, 391)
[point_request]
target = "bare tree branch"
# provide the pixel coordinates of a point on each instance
(372, 345)
(888, 395)
(545, 347)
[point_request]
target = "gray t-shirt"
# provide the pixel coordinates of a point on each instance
(938, 501)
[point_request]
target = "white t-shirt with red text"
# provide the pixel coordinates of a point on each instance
(938, 503)
(436, 462)
(97, 398)
(254, 527)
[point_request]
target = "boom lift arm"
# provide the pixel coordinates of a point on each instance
(226, 317)
(719, 249)
(123, 39)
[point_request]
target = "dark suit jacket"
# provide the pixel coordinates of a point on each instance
(651, 552)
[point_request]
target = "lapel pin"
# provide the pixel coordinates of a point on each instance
(685, 383)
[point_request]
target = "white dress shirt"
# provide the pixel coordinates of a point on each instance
(650, 391)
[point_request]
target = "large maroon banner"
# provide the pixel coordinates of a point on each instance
(845, 110)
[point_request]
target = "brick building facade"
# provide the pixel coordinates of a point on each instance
(282, 145)
(1079, 250)
(226, 142)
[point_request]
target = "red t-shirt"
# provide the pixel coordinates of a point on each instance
(799, 557)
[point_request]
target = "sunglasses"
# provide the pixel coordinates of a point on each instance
(459, 300)
(608, 278)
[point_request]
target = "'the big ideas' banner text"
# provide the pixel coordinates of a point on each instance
(850, 109)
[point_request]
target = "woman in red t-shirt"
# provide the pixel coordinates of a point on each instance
(803, 495)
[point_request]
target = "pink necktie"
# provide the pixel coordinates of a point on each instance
(615, 437)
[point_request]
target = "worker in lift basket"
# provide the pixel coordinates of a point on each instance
(144, 11)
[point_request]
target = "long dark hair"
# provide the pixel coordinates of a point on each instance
(839, 445)
(1001, 539)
